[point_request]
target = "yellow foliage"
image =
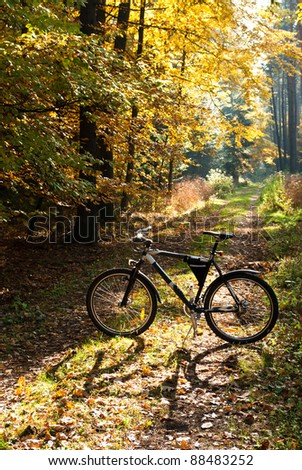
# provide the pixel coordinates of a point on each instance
(195, 56)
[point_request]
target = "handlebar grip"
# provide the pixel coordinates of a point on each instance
(139, 237)
(142, 239)
(145, 230)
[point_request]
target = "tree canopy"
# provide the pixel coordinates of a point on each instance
(181, 65)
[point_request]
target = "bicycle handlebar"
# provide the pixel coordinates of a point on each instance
(139, 237)
(145, 230)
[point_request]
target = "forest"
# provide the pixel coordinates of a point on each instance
(116, 115)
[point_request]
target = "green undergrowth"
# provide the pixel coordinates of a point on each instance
(283, 388)
(231, 212)
(282, 216)
(237, 206)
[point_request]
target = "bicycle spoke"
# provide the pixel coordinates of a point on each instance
(241, 308)
(106, 306)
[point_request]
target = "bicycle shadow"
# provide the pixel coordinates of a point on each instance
(187, 364)
(97, 371)
(198, 384)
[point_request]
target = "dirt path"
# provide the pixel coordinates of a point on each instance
(209, 398)
(249, 247)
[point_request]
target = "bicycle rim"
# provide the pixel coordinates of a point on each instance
(104, 305)
(248, 318)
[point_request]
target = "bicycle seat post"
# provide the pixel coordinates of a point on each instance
(214, 248)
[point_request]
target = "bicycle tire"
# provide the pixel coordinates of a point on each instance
(256, 316)
(103, 303)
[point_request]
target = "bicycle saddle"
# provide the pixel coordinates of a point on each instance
(220, 235)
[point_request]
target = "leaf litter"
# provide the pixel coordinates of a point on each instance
(65, 386)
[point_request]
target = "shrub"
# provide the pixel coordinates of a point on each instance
(221, 183)
(293, 189)
(188, 193)
(286, 240)
(281, 204)
(289, 278)
(273, 197)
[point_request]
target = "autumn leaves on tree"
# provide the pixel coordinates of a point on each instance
(104, 100)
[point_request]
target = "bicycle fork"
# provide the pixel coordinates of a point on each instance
(130, 285)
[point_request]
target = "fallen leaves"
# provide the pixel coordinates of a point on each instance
(21, 386)
(147, 392)
(185, 444)
(78, 392)
(206, 425)
(142, 405)
(146, 371)
(62, 392)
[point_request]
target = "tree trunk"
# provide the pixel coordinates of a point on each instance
(284, 122)
(299, 27)
(122, 23)
(277, 133)
(292, 122)
(86, 229)
(292, 105)
(88, 17)
(130, 165)
(170, 176)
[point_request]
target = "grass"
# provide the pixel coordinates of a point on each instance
(282, 385)
(280, 205)
(237, 206)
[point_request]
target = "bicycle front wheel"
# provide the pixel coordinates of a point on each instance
(241, 308)
(104, 298)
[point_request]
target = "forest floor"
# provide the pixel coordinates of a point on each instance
(66, 386)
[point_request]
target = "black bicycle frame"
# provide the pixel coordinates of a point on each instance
(147, 256)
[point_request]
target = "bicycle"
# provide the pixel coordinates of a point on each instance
(239, 306)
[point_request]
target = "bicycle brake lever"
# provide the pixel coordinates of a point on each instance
(138, 239)
(142, 231)
(132, 263)
(146, 230)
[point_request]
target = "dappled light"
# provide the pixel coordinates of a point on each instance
(130, 128)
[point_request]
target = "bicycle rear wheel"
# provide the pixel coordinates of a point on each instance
(104, 299)
(241, 308)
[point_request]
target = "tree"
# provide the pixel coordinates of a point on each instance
(292, 83)
(116, 107)
(89, 215)
(286, 100)
(235, 152)
(134, 112)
